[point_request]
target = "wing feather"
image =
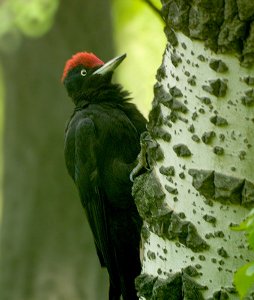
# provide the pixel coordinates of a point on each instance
(93, 200)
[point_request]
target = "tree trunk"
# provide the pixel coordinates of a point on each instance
(200, 147)
(47, 251)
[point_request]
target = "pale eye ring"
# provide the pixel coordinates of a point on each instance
(83, 72)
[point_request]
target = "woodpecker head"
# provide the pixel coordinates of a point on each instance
(85, 70)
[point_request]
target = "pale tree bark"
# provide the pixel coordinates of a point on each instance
(200, 148)
(47, 250)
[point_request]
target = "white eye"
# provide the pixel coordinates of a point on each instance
(83, 72)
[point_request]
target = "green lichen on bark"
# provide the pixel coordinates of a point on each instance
(222, 252)
(151, 255)
(191, 289)
(175, 92)
(160, 133)
(175, 105)
(203, 181)
(168, 171)
(191, 271)
(218, 121)
(205, 19)
(176, 60)
(233, 30)
(220, 295)
(176, 14)
(209, 219)
(227, 188)
(148, 194)
(192, 80)
(218, 65)
(207, 137)
(217, 87)
(169, 288)
(144, 284)
(248, 194)
(169, 225)
(246, 9)
(171, 190)
(218, 150)
(176, 286)
(182, 150)
(205, 100)
(248, 98)
(150, 149)
(155, 115)
(249, 80)
(223, 188)
(195, 138)
(225, 26)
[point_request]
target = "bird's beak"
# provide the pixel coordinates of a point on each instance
(110, 65)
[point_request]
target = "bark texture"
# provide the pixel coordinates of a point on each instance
(200, 148)
(225, 26)
(47, 251)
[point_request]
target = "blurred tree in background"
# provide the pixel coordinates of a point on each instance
(46, 246)
(46, 249)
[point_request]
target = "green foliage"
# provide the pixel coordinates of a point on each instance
(244, 277)
(32, 18)
(139, 33)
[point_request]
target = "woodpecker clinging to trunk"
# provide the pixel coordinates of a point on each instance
(101, 146)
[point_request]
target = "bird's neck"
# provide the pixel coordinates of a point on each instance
(111, 93)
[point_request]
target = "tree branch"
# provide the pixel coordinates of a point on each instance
(154, 8)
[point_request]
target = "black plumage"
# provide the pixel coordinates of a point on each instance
(101, 147)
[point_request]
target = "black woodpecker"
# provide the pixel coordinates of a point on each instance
(101, 147)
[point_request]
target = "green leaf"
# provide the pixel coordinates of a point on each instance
(251, 238)
(247, 224)
(244, 279)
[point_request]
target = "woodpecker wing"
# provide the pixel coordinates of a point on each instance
(86, 179)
